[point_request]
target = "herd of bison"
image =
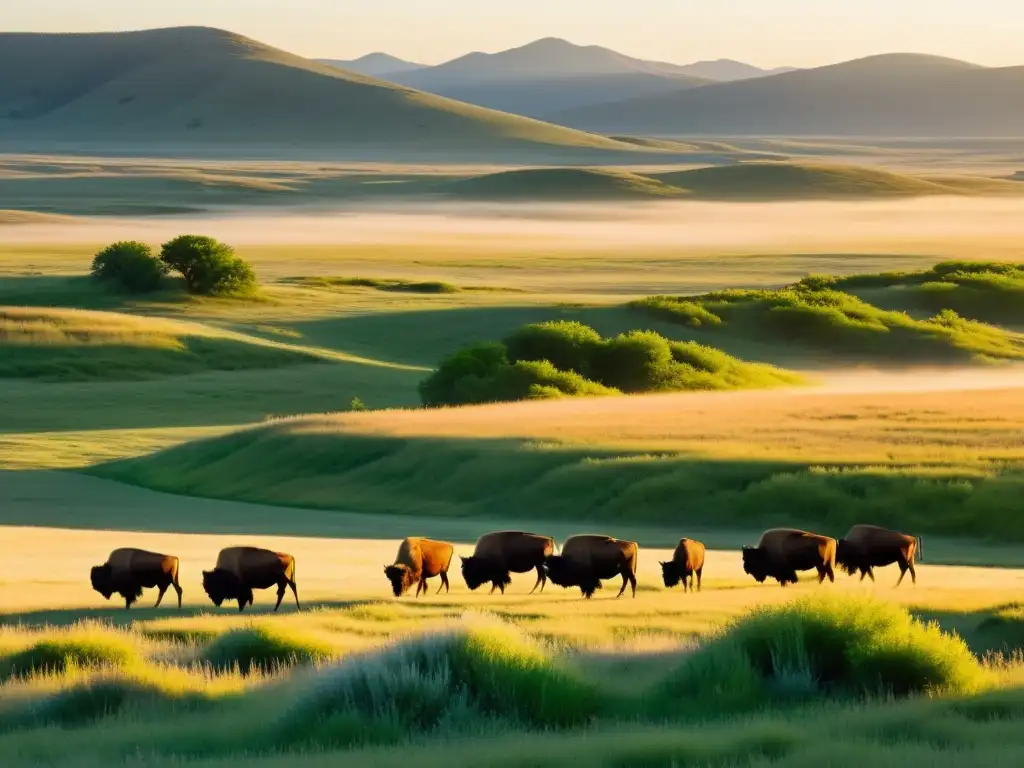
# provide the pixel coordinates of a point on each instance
(584, 562)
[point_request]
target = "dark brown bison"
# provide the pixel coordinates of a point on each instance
(128, 571)
(687, 560)
(240, 570)
(784, 551)
(498, 555)
(417, 561)
(866, 547)
(586, 560)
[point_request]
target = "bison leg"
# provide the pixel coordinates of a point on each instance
(444, 584)
(906, 565)
(913, 573)
(541, 580)
(699, 570)
(178, 590)
(281, 587)
(295, 592)
(160, 595)
(686, 583)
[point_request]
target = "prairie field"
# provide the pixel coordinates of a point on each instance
(292, 418)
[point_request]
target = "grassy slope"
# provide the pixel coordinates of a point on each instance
(137, 87)
(933, 463)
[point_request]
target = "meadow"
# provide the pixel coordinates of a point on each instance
(185, 424)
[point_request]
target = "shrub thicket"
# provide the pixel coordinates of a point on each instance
(209, 267)
(130, 265)
(568, 359)
(815, 314)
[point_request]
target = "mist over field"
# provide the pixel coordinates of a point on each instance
(990, 227)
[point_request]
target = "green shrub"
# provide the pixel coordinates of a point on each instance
(563, 359)
(567, 345)
(264, 648)
(818, 647)
(131, 265)
(208, 266)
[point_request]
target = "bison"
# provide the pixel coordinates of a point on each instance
(128, 571)
(240, 570)
(497, 555)
(417, 561)
(687, 560)
(784, 551)
(587, 559)
(866, 546)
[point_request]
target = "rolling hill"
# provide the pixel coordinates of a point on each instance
(749, 181)
(895, 95)
(374, 65)
(139, 91)
(546, 77)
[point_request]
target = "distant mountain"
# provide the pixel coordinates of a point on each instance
(547, 76)
(894, 95)
(374, 65)
(194, 87)
(727, 70)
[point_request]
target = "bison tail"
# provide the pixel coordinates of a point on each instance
(174, 573)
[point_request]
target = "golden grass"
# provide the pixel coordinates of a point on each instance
(827, 424)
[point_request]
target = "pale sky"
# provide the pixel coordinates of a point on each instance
(763, 32)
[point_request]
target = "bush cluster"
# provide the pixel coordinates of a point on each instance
(569, 359)
(207, 266)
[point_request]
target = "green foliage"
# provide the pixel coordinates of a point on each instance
(264, 648)
(208, 266)
(63, 652)
(357, 405)
(988, 291)
(569, 359)
(818, 647)
(815, 314)
(131, 265)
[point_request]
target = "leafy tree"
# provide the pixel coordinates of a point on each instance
(209, 266)
(131, 265)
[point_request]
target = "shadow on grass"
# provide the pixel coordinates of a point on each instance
(995, 629)
(83, 292)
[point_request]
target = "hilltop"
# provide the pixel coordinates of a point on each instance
(889, 95)
(194, 87)
(374, 65)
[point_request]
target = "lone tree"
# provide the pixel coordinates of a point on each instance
(209, 266)
(131, 265)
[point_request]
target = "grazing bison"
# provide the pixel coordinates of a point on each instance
(784, 551)
(587, 559)
(687, 560)
(417, 561)
(240, 570)
(128, 571)
(497, 555)
(866, 546)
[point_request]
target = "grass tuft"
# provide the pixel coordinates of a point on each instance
(88, 647)
(263, 648)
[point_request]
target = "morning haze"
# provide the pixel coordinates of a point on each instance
(524, 352)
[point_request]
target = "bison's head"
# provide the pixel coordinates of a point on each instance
(844, 557)
(671, 573)
(475, 572)
(755, 563)
(102, 580)
(220, 586)
(401, 578)
(560, 571)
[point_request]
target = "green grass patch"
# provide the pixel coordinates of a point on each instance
(983, 290)
(816, 315)
(79, 649)
(451, 680)
(824, 647)
(73, 345)
(260, 647)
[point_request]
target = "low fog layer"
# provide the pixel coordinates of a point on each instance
(986, 228)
